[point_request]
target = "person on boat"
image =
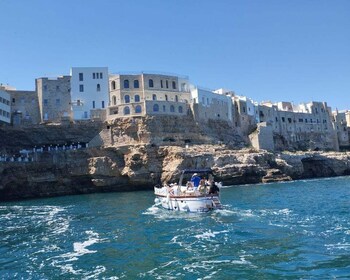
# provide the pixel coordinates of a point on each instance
(214, 189)
(202, 187)
(195, 180)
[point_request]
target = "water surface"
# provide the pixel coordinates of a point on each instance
(295, 230)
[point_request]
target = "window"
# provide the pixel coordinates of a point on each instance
(127, 99)
(98, 87)
(154, 97)
(137, 98)
(126, 110)
(164, 108)
(94, 75)
(167, 84)
(176, 98)
(101, 77)
(126, 83)
(81, 88)
(283, 120)
(58, 101)
(57, 88)
(150, 83)
(174, 85)
(103, 104)
(114, 100)
(93, 105)
(81, 77)
(161, 83)
(45, 87)
(155, 108)
(138, 109)
(46, 101)
(180, 109)
(113, 85)
(172, 108)
(166, 97)
(85, 115)
(136, 84)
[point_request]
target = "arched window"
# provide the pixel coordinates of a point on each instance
(150, 83)
(113, 85)
(154, 97)
(174, 85)
(137, 98)
(166, 97)
(180, 109)
(176, 98)
(126, 110)
(114, 100)
(98, 87)
(172, 108)
(138, 109)
(155, 108)
(127, 99)
(136, 84)
(126, 83)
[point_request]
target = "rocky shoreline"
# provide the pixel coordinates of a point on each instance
(136, 154)
(140, 167)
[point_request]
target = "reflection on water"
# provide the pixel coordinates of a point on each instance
(290, 230)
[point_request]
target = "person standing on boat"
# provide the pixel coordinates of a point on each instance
(195, 180)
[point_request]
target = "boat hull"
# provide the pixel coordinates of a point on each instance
(189, 204)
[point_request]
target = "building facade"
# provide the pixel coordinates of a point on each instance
(54, 98)
(148, 94)
(300, 126)
(5, 107)
(340, 125)
(24, 107)
(89, 92)
(213, 105)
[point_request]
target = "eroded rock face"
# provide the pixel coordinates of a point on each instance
(130, 157)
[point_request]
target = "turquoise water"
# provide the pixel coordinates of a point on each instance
(297, 230)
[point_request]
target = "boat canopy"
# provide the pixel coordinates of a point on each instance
(192, 171)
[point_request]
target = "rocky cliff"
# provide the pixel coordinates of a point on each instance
(137, 154)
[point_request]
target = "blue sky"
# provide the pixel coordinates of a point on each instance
(267, 50)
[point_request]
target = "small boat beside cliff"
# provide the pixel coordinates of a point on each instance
(200, 193)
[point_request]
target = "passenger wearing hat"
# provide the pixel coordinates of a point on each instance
(195, 180)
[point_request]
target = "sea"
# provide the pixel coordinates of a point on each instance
(293, 230)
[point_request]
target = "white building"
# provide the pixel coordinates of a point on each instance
(215, 105)
(89, 92)
(5, 109)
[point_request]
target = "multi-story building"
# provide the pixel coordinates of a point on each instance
(340, 125)
(24, 107)
(300, 126)
(5, 107)
(215, 105)
(54, 98)
(148, 94)
(89, 92)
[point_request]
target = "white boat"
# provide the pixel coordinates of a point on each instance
(194, 196)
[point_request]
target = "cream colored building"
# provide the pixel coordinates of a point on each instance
(54, 98)
(340, 125)
(24, 107)
(148, 94)
(308, 125)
